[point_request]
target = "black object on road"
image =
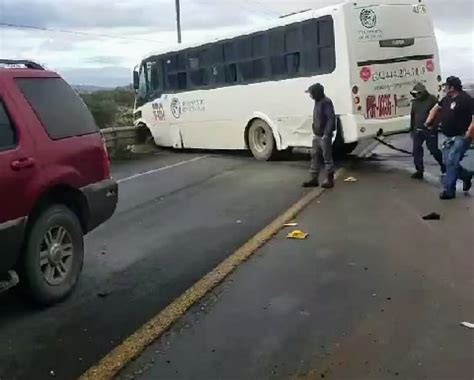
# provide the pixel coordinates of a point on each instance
(432, 216)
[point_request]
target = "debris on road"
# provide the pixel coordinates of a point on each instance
(468, 325)
(238, 221)
(432, 216)
(104, 294)
(297, 235)
(351, 179)
(290, 225)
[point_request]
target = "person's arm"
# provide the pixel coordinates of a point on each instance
(412, 119)
(470, 131)
(432, 116)
(330, 119)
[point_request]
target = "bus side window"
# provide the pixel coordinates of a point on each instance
(277, 50)
(293, 63)
(155, 78)
(326, 33)
(176, 75)
(231, 73)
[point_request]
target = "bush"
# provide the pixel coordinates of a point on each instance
(111, 108)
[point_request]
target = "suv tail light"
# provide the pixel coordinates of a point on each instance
(105, 159)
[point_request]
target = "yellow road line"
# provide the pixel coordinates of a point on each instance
(134, 345)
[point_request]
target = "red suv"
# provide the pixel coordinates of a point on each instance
(55, 183)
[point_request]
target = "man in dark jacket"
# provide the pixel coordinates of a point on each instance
(422, 104)
(324, 124)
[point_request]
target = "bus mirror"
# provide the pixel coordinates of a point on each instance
(136, 80)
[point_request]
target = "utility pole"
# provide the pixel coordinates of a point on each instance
(178, 21)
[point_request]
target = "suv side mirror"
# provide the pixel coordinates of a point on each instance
(136, 80)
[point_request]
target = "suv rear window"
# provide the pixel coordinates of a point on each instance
(60, 109)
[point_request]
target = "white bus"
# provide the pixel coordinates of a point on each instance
(247, 91)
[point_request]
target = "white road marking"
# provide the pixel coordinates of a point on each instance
(153, 171)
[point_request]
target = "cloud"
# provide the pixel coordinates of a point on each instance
(104, 60)
(156, 14)
(111, 76)
(457, 54)
(142, 21)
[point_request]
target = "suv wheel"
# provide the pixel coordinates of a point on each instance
(54, 255)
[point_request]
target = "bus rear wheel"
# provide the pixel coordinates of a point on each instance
(261, 141)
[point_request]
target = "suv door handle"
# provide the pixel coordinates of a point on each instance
(23, 163)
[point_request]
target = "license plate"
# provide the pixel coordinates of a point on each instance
(381, 106)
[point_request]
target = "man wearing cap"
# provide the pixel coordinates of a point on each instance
(456, 111)
(422, 104)
(324, 124)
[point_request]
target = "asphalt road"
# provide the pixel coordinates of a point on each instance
(179, 215)
(374, 293)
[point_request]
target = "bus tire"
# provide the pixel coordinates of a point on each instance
(261, 141)
(339, 146)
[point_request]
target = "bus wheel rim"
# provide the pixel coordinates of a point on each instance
(260, 139)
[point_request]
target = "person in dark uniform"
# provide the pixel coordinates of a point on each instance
(456, 112)
(422, 104)
(324, 125)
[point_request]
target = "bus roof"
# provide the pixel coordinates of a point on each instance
(282, 21)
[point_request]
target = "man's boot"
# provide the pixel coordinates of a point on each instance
(467, 183)
(418, 175)
(329, 183)
(313, 182)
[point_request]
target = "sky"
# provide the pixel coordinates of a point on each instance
(80, 46)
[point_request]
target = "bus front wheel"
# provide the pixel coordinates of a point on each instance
(261, 141)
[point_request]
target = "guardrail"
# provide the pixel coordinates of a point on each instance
(120, 139)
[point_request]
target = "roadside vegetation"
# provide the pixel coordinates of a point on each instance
(111, 108)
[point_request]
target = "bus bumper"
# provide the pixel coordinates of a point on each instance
(357, 128)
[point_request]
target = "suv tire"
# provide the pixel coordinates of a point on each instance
(53, 256)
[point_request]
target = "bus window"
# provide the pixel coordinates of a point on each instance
(244, 48)
(199, 78)
(231, 73)
(326, 33)
(278, 66)
(230, 52)
(292, 40)
(293, 63)
(258, 46)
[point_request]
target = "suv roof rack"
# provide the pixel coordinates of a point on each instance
(28, 64)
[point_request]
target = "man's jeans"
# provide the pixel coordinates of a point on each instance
(454, 149)
(431, 139)
(321, 155)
